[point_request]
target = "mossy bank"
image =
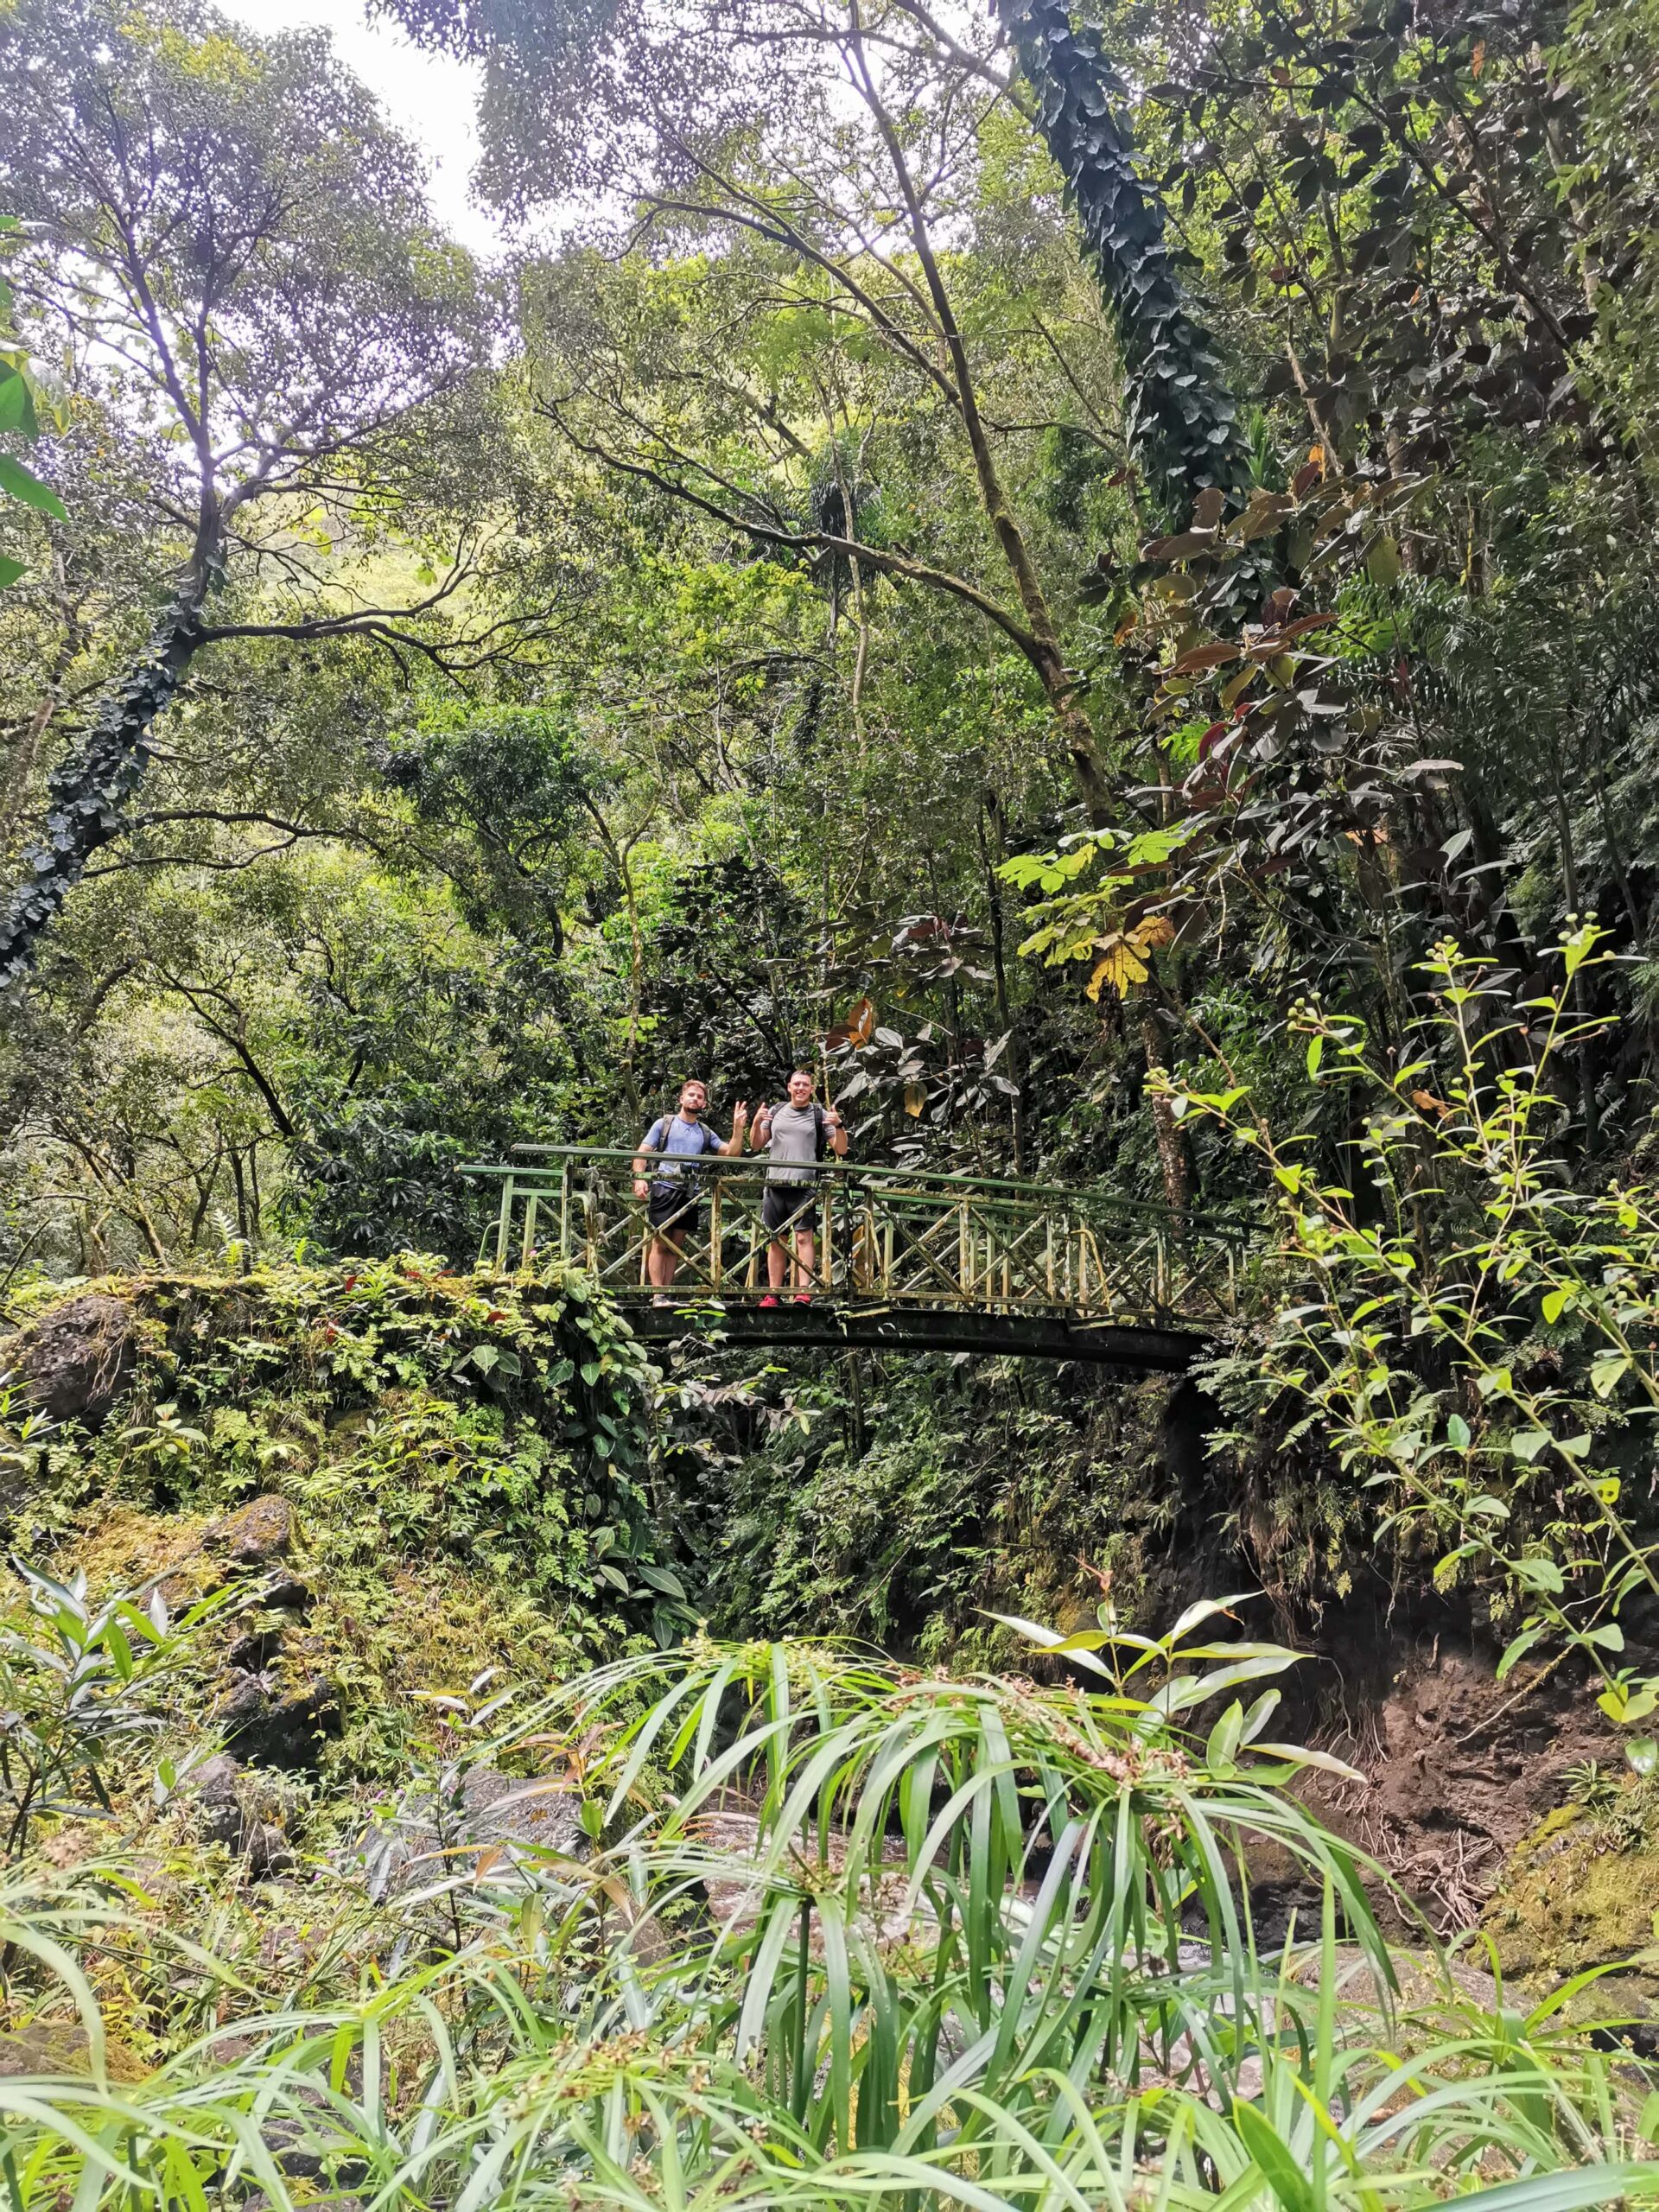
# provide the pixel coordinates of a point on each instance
(463, 1461)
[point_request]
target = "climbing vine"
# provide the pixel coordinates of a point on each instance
(1180, 419)
(91, 785)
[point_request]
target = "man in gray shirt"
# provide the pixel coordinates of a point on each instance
(794, 1137)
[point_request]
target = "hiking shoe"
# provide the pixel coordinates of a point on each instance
(662, 1299)
(771, 1300)
(804, 1298)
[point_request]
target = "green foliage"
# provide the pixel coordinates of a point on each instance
(288, 289)
(465, 1457)
(1473, 1332)
(18, 418)
(82, 1686)
(1180, 420)
(940, 1962)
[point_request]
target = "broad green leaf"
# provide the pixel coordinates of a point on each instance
(1223, 1741)
(1519, 1646)
(1278, 2165)
(16, 407)
(22, 485)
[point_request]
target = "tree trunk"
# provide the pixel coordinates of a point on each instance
(89, 789)
(1166, 1130)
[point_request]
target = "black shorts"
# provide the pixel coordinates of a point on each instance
(673, 1208)
(783, 1205)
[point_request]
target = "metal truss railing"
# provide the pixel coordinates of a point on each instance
(886, 1238)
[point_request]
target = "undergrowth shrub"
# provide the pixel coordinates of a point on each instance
(850, 1934)
(1470, 1326)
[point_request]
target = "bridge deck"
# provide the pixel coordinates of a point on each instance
(830, 1328)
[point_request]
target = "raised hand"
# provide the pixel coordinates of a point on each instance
(831, 1118)
(740, 1114)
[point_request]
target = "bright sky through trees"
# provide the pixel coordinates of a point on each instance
(430, 98)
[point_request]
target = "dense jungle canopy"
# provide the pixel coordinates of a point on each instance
(640, 657)
(1083, 570)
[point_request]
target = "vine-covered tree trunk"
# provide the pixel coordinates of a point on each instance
(89, 787)
(1181, 420)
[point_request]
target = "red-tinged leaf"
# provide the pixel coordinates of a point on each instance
(1305, 479)
(1183, 546)
(1203, 657)
(1212, 738)
(1304, 623)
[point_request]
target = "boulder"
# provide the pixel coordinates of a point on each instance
(489, 1821)
(77, 1361)
(277, 1723)
(213, 1791)
(268, 1850)
(256, 1535)
(58, 2050)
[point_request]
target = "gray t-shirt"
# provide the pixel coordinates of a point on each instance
(793, 1152)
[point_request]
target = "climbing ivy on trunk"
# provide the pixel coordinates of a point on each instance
(89, 787)
(1181, 420)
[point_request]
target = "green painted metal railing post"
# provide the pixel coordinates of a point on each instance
(505, 1232)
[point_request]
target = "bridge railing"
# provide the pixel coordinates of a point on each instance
(887, 1236)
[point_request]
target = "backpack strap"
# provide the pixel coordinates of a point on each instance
(820, 1128)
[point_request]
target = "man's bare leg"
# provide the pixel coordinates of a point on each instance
(776, 1264)
(806, 1256)
(663, 1261)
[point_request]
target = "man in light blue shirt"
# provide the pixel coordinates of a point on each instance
(672, 1194)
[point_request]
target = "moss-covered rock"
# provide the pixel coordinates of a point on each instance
(1582, 1891)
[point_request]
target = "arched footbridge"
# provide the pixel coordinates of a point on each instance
(906, 1261)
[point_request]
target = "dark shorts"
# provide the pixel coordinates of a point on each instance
(786, 1204)
(677, 1206)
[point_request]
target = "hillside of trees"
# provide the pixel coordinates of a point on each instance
(1084, 574)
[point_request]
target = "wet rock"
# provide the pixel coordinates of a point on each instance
(76, 1362)
(491, 1822)
(213, 1789)
(289, 1596)
(278, 1723)
(256, 1535)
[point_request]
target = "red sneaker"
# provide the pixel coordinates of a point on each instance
(770, 1300)
(804, 1298)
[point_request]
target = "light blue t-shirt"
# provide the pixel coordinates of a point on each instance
(677, 1139)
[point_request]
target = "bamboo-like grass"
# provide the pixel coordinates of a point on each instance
(855, 1935)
